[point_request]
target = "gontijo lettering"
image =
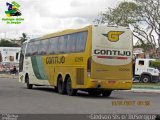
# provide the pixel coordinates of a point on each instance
(55, 60)
(112, 52)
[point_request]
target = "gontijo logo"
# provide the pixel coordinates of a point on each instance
(113, 36)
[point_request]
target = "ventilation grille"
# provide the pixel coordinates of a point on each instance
(80, 76)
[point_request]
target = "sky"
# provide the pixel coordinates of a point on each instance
(47, 16)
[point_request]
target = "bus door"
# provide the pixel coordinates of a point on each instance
(21, 64)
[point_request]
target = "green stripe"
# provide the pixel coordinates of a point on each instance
(38, 68)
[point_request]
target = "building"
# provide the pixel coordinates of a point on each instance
(9, 57)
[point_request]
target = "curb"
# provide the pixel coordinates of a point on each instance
(143, 90)
(147, 87)
(8, 76)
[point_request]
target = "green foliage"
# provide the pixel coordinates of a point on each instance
(5, 43)
(123, 15)
(142, 16)
(155, 64)
(145, 46)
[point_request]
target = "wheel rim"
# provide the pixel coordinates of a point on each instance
(145, 80)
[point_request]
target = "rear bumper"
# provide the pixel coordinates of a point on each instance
(110, 84)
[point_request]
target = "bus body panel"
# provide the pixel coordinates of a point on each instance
(111, 53)
(33, 73)
(72, 64)
(69, 67)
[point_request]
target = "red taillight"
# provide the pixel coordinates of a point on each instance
(89, 65)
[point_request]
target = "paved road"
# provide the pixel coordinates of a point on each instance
(15, 98)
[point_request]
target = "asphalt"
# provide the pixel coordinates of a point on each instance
(136, 88)
(9, 76)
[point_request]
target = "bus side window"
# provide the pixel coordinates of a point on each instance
(29, 49)
(71, 43)
(81, 41)
(62, 43)
(53, 45)
(35, 48)
(43, 47)
(23, 48)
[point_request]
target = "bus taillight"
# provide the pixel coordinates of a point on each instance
(89, 66)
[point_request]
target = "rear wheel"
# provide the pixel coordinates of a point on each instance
(60, 86)
(29, 86)
(70, 90)
(94, 93)
(106, 93)
(146, 78)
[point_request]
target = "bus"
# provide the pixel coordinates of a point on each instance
(96, 59)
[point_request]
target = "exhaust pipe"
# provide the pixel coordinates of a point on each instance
(98, 86)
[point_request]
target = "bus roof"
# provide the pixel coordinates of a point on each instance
(64, 32)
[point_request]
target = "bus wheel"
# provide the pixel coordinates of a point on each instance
(70, 90)
(60, 86)
(106, 93)
(145, 78)
(94, 93)
(29, 86)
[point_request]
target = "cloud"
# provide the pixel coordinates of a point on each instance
(42, 17)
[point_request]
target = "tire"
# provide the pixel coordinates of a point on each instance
(56, 89)
(29, 86)
(94, 93)
(145, 79)
(70, 90)
(106, 93)
(60, 86)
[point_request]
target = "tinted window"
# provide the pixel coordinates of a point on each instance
(81, 41)
(43, 47)
(23, 48)
(35, 47)
(75, 42)
(53, 45)
(29, 49)
(63, 43)
(71, 43)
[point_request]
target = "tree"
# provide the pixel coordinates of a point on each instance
(23, 38)
(142, 16)
(146, 46)
(6, 43)
(155, 64)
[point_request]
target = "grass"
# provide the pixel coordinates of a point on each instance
(147, 84)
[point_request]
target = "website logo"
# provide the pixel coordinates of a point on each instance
(13, 13)
(113, 36)
(13, 9)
